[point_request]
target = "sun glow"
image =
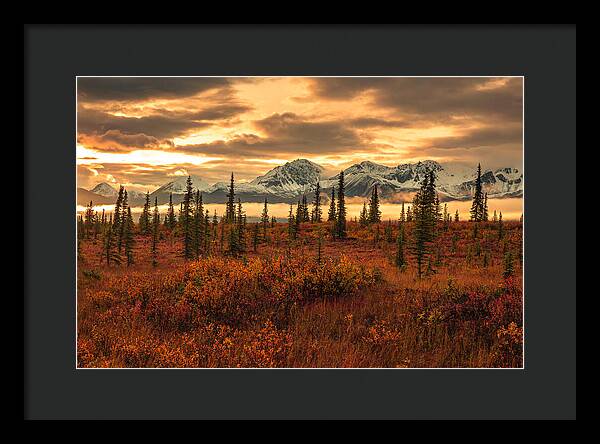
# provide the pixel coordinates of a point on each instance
(86, 156)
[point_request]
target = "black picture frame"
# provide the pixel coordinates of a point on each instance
(55, 389)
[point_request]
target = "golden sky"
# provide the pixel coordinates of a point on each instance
(143, 131)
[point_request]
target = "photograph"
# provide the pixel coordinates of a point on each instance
(297, 222)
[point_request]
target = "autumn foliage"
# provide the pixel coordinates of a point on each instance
(312, 301)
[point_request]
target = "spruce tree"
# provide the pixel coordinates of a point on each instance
(374, 212)
(170, 219)
(402, 214)
(508, 265)
(122, 221)
(145, 216)
(316, 211)
(186, 220)
(341, 209)
(363, 220)
(400, 262)
(299, 216)
(128, 237)
(264, 219)
(230, 208)
(484, 215)
(291, 224)
(116, 225)
(477, 205)
(424, 211)
(241, 227)
(332, 213)
(273, 221)
(456, 218)
(495, 217)
(198, 225)
(155, 228)
(305, 213)
(409, 214)
(207, 234)
(89, 219)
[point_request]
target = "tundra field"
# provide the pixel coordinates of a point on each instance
(309, 301)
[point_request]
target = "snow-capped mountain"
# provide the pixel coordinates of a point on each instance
(286, 183)
(178, 186)
(104, 189)
(453, 181)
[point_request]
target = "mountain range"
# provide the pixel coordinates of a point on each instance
(286, 183)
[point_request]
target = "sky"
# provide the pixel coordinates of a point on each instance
(141, 132)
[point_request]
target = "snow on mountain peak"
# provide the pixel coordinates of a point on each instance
(291, 178)
(178, 186)
(104, 189)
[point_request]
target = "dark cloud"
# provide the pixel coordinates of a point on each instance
(116, 141)
(290, 130)
(159, 126)
(163, 124)
(141, 88)
(433, 98)
(480, 138)
(372, 122)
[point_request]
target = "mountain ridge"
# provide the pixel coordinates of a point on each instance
(286, 183)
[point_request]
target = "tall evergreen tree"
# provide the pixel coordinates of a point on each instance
(198, 225)
(117, 217)
(424, 211)
(171, 220)
(409, 214)
(186, 220)
(316, 211)
(477, 205)
(456, 217)
(402, 214)
(363, 219)
(299, 216)
(241, 227)
(89, 219)
(264, 219)
(484, 213)
(128, 237)
(341, 208)
(122, 221)
(509, 268)
(291, 224)
(207, 234)
(332, 212)
(155, 228)
(145, 216)
(374, 212)
(305, 212)
(400, 262)
(230, 208)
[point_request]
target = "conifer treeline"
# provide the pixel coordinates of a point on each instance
(200, 235)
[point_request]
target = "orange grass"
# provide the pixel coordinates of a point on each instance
(279, 308)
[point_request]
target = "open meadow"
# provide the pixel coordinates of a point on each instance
(307, 300)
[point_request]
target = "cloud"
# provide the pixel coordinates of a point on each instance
(480, 138)
(161, 124)
(141, 88)
(116, 141)
(290, 130)
(432, 98)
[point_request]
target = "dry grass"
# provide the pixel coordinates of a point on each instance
(279, 308)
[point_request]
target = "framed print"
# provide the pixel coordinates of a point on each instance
(299, 222)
